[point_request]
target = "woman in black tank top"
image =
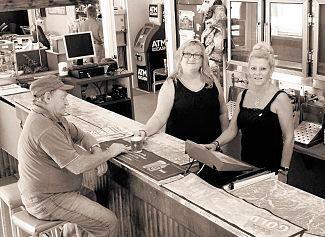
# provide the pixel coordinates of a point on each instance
(264, 116)
(190, 102)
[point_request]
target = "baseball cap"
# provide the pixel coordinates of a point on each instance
(47, 84)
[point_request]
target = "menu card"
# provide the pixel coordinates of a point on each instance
(147, 162)
(235, 211)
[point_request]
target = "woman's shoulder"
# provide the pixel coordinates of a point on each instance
(170, 81)
(282, 96)
(168, 86)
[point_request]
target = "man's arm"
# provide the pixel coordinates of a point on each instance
(86, 161)
(72, 157)
(86, 140)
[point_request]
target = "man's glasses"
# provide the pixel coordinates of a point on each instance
(194, 55)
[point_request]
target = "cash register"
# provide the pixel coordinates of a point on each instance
(80, 46)
(221, 170)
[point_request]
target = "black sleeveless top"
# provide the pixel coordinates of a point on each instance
(195, 115)
(261, 140)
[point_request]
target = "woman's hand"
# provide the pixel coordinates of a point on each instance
(140, 133)
(211, 146)
(116, 148)
(283, 176)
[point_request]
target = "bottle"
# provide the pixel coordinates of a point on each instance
(165, 66)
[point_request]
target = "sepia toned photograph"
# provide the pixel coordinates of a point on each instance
(164, 118)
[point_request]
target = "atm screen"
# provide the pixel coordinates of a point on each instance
(145, 31)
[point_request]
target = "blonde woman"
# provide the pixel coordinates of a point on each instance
(190, 102)
(264, 115)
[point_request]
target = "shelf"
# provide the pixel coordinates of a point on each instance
(120, 106)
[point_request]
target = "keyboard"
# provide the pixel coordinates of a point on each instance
(84, 66)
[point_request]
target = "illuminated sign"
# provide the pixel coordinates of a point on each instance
(153, 10)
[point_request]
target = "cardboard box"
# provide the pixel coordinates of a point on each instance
(58, 44)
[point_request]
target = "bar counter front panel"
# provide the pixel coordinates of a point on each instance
(143, 206)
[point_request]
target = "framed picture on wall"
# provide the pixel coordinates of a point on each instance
(57, 11)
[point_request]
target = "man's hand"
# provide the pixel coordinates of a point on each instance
(102, 169)
(95, 150)
(116, 148)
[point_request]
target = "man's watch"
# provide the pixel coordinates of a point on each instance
(93, 146)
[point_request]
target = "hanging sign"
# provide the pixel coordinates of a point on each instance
(153, 10)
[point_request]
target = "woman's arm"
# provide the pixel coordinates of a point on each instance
(283, 109)
(224, 120)
(232, 130)
(164, 106)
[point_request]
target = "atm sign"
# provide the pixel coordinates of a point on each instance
(158, 45)
(142, 74)
(153, 10)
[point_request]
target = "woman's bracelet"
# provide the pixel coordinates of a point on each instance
(145, 132)
(283, 170)
(217, 145)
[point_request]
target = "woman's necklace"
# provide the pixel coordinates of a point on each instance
(257, 102)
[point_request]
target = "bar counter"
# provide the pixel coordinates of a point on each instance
(146, 207)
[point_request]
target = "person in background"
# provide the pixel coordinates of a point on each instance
(264, 115)
(51, 164)
(190, 102)
(93, 25)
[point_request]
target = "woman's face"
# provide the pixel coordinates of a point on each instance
(191, 59)
(259, 71)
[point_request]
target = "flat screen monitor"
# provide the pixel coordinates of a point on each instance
(79, 45)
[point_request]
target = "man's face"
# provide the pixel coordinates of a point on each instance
(58, 102)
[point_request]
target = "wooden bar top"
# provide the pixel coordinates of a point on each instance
(199, 220)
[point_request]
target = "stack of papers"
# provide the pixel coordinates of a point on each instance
(249, 219)
(11, 89)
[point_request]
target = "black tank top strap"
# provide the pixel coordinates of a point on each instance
(242, 98)
(268, 106)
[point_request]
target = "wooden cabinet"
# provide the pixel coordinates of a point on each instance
(123, 78)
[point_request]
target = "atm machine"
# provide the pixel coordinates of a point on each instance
(150, 47)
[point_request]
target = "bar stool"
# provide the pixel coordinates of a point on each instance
(27, 224)
(30, 225)
(9, 202)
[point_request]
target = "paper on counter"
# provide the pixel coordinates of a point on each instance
(11, 89)
(287, 202)
(168, 147)
(101, 134)
(234, 211)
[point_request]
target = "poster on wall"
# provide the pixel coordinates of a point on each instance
(186, 25)
(186, 20)
(185, 35)
(56, 11)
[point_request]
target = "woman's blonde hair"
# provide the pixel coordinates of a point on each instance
(205, 70)
(263, 50)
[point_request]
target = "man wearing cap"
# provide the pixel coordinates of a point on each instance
(51, 167)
